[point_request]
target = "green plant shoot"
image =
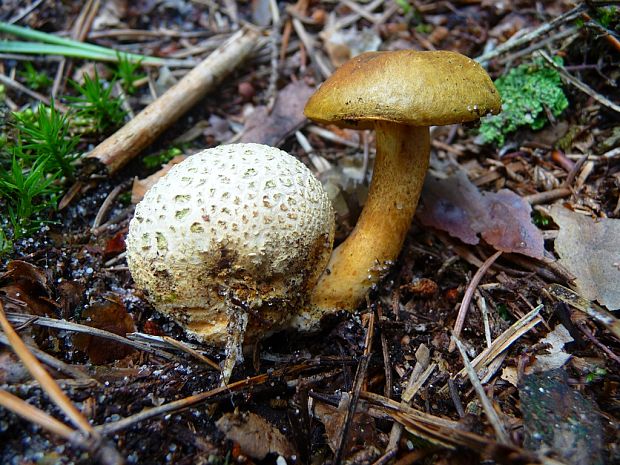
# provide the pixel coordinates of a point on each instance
(95, 106)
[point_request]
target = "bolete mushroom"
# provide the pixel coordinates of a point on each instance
(399, 94)
(231, 241)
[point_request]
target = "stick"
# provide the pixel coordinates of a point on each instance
(131, 139)
(43, 377)
(498, 426)
(460, 319)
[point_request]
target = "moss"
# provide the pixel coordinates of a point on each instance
(526, 91)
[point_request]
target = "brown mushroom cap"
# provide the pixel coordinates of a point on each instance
(407, 87)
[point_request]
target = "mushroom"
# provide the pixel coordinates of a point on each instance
(399, 94)
(230, 242)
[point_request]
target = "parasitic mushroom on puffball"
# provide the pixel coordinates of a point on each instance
(399, 94)
(231, 242)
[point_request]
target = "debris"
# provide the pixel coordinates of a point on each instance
(556, 356)
(363, 432)
(588, 248)
(256, 436)
(140, 186)
(455, 205)
(111, 316)
(131, 139)
(270, 128)
(343, 44)
(559, 418)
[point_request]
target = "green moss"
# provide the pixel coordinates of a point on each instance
(526, 91)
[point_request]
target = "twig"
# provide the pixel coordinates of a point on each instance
(114, 427)
(105, 206)
(460, 319)
(43, 377)
(25, 12)
(530, 36)
(78, 328)
(498, 426)
(50, 361)
(356, 389)
(193, 352)
(482, 305)
(131, 139)
(102, 452)
(35, 415)
(7, 81)
(504, 340)
(578, 84)
(591, 309)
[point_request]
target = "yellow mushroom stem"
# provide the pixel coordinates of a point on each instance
(375, 243)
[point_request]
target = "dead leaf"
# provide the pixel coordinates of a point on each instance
(256, 436)
(116, 244)
(588, 248)
(363, 433)
(343, 44)
(27, 290)
(559, 418)
(455, 205)
(140, 186)
(286, 116)
(111, 316)
(556, 356)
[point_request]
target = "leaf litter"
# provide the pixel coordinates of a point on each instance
(415, 304)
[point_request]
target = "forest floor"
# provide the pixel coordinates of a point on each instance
(490, 339)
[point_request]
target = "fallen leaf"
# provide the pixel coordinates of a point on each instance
(111, 316)
(588, 248)
(502, 219)
(556, 356)
(559, 418)
(115, 245)
(343, 44)
(286, 116)
(26, 288)
(363, 433)
(255, 435)
(140, 186)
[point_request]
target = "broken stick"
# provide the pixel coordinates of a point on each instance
(131, 139)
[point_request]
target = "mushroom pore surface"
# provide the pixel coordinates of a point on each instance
(244, 225)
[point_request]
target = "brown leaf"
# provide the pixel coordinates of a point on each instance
(26, 289)
(140, 186)
(286, 116)
(456, 206)
(71, 295)
(588, 248)
(111, 316)
(115, 245)
(256, 436)
(363, 433)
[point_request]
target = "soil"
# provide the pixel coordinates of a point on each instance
(74, 273)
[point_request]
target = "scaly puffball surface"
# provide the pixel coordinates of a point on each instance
(245, 224)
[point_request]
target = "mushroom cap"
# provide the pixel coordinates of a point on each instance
(407, 87)
(243, 223)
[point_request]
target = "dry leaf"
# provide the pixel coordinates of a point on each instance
(111, 316)
(558, 418)
(343, 44)
(140, 186)
(456, 206)
(363, 433)
(589, 249)
(255, 435)
(286, 116)
(26, 289)
(556, 356)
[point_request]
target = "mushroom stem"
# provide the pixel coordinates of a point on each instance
(366, 255)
